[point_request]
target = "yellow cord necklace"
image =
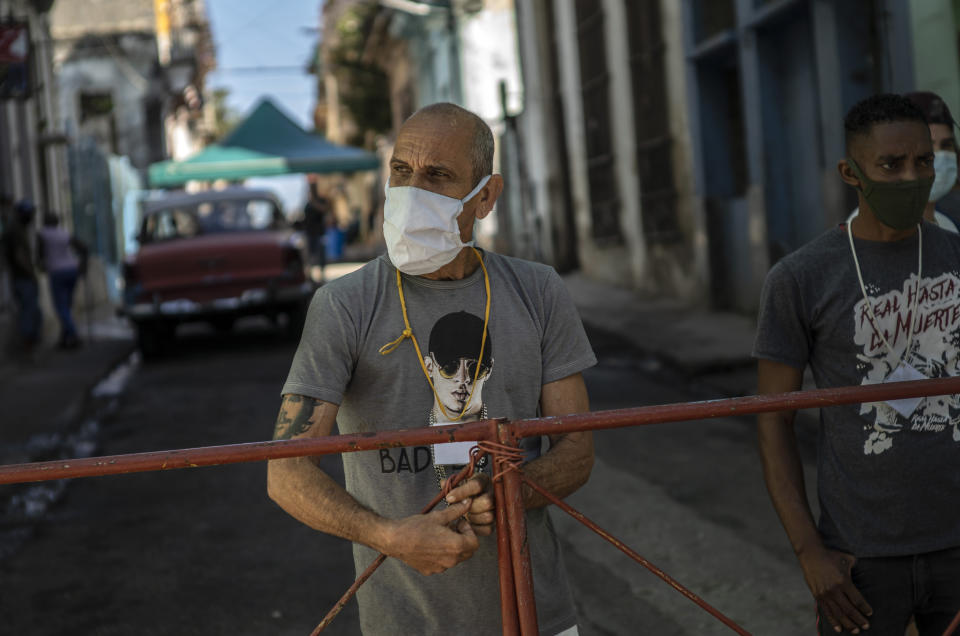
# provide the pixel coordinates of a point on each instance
(408, 333)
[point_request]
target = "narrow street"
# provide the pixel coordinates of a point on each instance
(205, 551)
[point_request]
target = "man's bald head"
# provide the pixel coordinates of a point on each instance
(456, 117)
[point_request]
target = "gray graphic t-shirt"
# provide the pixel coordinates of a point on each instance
(888, 478)
(534, 337)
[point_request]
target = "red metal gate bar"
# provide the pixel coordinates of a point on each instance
(517, 527)
(484, 431)
(954, 624)
(241, 453)
(509, 618)
(332, 614)
(471, 431)
(750, 405)
(620, 545)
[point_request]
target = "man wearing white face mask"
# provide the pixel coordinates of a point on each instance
(944, 155)
(362, 364)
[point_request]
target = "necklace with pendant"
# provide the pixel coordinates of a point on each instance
(440, 471)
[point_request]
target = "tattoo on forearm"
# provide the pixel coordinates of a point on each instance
(296, 416)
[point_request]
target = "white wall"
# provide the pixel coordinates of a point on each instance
(104, 75)
(488, 56)
(936, 66)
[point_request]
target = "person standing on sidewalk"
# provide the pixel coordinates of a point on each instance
(354, 368)
(315, 218)
(64, 258)
(23, 276)
(871, 301)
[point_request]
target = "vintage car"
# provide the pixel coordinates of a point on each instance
(213, 256)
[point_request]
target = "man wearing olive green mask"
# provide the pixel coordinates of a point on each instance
(941, 125)
(873, 300)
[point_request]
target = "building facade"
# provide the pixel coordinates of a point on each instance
(381, 61)
(33, 158)
(130, 78)
(131, 75)
(33, 161)
(678, 148)
(681, 148)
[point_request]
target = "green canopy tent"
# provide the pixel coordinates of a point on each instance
(267, 143)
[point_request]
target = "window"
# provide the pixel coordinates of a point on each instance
(712, 17)
(595, 83)
(93, 105)
(651, 122)
(169, 224)
(212, 217)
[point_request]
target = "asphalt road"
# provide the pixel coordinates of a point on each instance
(205, 552)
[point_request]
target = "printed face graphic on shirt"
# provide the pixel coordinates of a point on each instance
(456, 368)
(933, 352)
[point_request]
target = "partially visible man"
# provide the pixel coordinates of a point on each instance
(23, 276)
(871, 301)
(356, 368)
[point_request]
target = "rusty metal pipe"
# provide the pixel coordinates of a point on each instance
(952, 627)
(471, 431)
(519, 547)
(508, 596)
(509, 619)
(749, 405)
(620, 545)
(240, 453)
(349, 594)
(367, 573)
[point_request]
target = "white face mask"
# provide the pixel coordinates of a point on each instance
(945, 166)
(420, 227)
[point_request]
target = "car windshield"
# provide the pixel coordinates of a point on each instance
(212, 217)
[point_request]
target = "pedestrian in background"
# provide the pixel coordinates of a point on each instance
(868, 302)
(64, 258)
(23, 276)
(315, 215)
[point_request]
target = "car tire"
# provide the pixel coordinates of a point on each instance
(152, 339)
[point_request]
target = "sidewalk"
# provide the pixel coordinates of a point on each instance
(44, 394)
(693, 341)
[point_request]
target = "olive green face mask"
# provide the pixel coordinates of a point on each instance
(898, 205)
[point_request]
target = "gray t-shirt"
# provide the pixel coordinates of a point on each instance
(534, 337)
(889, 484)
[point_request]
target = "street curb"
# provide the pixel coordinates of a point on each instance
(75, 411)
(77, 434)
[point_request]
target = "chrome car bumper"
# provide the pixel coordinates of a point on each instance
(258, 300)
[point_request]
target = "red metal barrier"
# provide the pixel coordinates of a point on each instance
(470, 432)
(520, 613)
(954, 624)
